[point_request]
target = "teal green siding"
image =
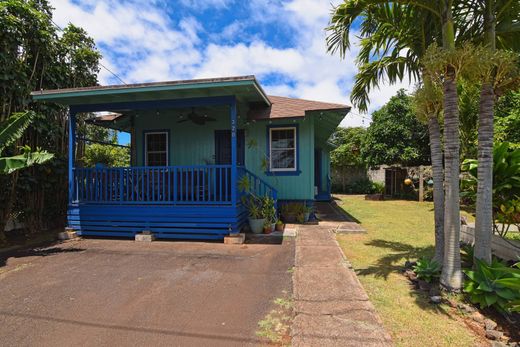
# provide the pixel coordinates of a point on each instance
(191, 144)
(299, 187)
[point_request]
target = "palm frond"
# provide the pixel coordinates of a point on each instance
(370, 75)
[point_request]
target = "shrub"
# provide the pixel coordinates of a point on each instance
(378, 188)
(362, 186)
(494, 285)
(427, 270)
(293, 211)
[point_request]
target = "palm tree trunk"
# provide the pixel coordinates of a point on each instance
(484, 209)
(451, 277)
(438, 186)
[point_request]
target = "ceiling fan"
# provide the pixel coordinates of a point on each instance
(196, 118)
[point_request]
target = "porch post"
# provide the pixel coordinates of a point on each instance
(72, 152)
(234, 171)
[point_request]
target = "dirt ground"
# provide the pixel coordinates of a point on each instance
(99, 292)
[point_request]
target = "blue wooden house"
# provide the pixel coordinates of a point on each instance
(191, 142)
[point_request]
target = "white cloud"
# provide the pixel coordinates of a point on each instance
(141, 42)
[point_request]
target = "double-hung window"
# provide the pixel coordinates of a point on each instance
(282, 148)
(156, 148)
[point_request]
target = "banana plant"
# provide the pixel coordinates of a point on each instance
(10, 131)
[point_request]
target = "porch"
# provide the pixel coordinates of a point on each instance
(195, 202)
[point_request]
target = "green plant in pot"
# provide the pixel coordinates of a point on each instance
(269, 212)
(279, 226)
(268, 227)
(256, 218)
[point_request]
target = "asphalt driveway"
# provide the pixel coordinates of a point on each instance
(113, 292)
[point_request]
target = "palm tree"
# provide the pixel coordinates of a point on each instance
(388, 30)
(342, 20)
(428, 106)
(483, 23)
(451, 276)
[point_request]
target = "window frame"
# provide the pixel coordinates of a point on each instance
(156, 132)
(289, 171)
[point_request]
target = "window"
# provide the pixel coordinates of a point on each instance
(156, 149)
(282, 146)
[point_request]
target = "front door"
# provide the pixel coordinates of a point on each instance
(223, 147)
(223, 157)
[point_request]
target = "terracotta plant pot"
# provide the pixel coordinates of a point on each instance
(268, 229)
(280, 227)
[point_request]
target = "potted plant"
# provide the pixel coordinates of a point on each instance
(268, 212)
(268, 227)
(255, 217)
(279, 226)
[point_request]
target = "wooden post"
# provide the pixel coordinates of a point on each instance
(133, 154)
(421, 184)
(234, 171)
(72, 152)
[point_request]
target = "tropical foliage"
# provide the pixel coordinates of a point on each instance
(101, 146)
(10, 132)
(348, 142)
(507, 119)
(506, 185)
(494, 284)
(396, 136)
(35, 55)
(427, 270)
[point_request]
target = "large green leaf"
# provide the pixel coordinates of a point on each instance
(511, 283)
(12, 129)
(490, 299)
(10, 164)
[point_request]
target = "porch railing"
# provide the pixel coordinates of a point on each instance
(256, 185)
(197, 184)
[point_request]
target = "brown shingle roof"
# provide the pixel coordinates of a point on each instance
(283, 107)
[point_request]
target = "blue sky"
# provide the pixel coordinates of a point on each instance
(281, 42)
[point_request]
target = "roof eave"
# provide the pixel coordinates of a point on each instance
(50, 95)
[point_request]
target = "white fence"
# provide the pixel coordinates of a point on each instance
(500, 247)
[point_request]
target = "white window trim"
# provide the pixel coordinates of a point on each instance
(146, 146)
(295, 150)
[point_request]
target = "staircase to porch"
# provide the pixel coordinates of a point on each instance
(182, 202)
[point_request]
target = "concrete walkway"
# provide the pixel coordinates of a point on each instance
(332, 308)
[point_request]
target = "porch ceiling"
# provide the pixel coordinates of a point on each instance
(244, 88)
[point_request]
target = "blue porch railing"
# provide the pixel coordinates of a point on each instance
(197, 184)
(257, 186)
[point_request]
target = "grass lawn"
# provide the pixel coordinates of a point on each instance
(397, 231)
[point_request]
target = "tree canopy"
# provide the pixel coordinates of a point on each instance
(348, 150)
(395, 136)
